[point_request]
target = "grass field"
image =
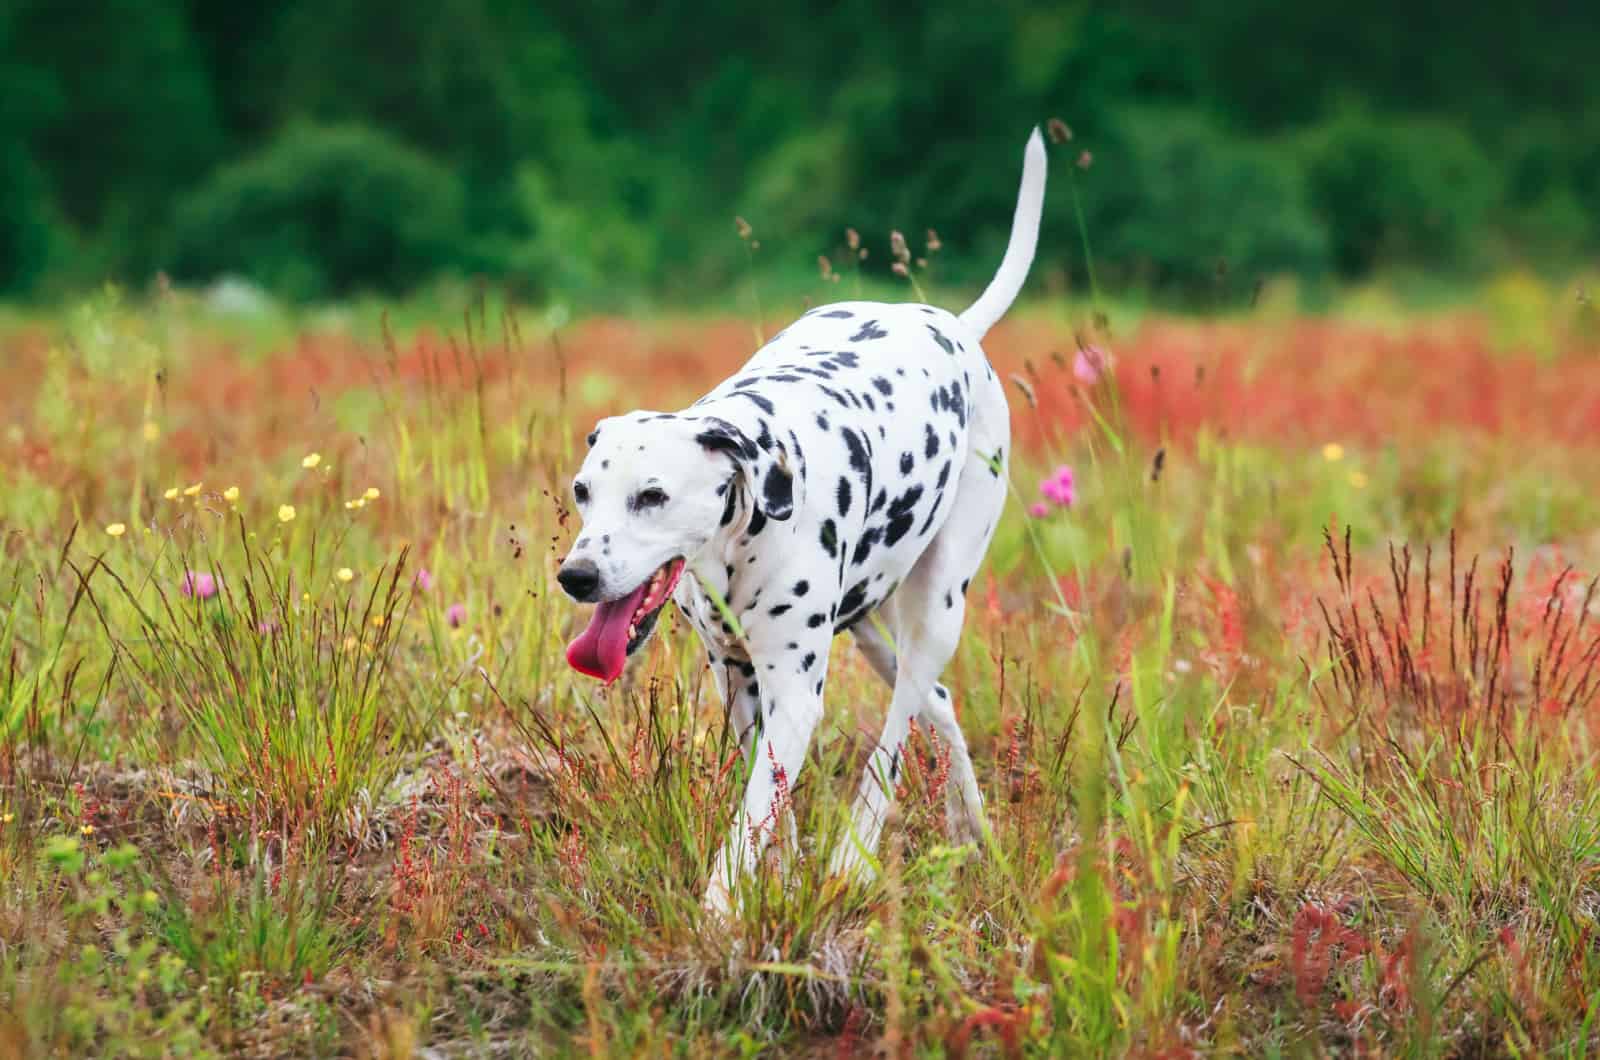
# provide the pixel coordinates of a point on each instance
(1286, 725)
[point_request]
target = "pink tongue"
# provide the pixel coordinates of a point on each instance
(602, 649)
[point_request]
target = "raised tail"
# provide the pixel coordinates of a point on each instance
(992, 304)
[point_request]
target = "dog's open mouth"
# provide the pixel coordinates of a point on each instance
(620, 626)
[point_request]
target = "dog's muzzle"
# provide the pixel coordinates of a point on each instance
(580, 579)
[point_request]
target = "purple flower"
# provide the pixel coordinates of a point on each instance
(455, 615)
(1090, 365)
(199, 583)
(1059, 488)
(423, 581)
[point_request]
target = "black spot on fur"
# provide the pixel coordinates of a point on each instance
(801, 588)
(822, 421)
(900, 515)
(777, 492)
(838, 397)
(760, 402)
(809, 661)
(930, 446)
(839, 314)
(592, 436)
(814, 621)
(843, 494)
(859, 456)
(944, 476)
(830, 538)
(883, 385)
(864, 546)
(779, 610)
(869, 330)
(944, 343)
(853, 599)
(907, 461)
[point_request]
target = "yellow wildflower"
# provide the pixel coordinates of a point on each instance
(1333, 452)
(230, 494)
(311, 460)
(371, 493)
(171, 494)
(285, 513)
(190, 491)
(152, 430)
(344, 574)
(1358, 480)
(117, 529)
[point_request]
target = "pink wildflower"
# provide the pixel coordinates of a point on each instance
(423, 581)
(1090, 365)
(1038, 509)
(455, 615)
(1059, 488)
(199, 583)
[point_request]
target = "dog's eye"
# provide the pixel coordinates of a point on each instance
(580, 493)
(650, 498)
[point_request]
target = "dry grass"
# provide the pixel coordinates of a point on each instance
(1259, 782)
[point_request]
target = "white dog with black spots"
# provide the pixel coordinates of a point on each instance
(848, 477)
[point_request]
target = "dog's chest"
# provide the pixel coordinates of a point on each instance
(720, 637)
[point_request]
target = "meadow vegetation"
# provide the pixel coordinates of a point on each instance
(1282, 696)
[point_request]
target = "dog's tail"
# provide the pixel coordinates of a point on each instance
(992, 304)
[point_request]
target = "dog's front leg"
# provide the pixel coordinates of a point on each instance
(791, 707)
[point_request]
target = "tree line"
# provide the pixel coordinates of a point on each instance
(581, 148)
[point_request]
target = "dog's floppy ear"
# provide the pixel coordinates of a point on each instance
(765, 467)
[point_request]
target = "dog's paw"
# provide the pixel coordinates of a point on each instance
(964, 825)
(718, 904)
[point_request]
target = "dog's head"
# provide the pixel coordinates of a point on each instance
(653, 492)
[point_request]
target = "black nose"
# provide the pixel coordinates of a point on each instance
(580, 578)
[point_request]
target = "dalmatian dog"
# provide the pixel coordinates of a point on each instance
(848, 477)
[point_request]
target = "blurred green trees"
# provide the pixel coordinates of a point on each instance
(576, 149)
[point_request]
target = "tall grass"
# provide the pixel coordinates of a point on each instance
(335, 805)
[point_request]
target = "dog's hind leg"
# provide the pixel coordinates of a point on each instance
(925, 616)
